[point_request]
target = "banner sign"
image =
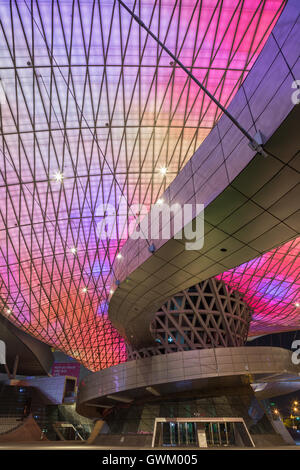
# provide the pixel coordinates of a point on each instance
(2, 352)
(71, 369)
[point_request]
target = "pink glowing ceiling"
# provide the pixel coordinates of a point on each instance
(270, 284)
(85, 95)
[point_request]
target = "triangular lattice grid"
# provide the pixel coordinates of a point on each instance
(207, 315)
(85, 92)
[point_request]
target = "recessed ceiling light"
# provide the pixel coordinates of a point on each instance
(163, 170)
(58, 176)
(84, 290)
(8, 311)
(111, 291)
(74, 250)
(159, 201)
(297, 304)
(119, 256)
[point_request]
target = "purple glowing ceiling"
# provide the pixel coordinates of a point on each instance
(91, 110)
(270, 284)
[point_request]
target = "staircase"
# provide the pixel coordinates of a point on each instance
(17, 402)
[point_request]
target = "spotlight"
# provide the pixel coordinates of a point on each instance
(58, 176)
(84, 290)
(159, 201)
(111, 291)
(297, 304)
(119, 256)
(74, 250)
(163, 170)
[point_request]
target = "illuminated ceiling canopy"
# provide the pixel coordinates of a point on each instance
(92, 110)
(271, 286)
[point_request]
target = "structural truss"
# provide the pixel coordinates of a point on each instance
(207, 315)
(91, 111)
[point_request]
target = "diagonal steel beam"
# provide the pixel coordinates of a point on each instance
(255, 145)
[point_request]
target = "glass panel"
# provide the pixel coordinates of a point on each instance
(191, 433)
(182, 434)
(223, 434)
(174, 434)
(166, 440)
(244, 436)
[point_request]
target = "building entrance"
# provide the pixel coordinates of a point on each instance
(179, 434)
(201, 432)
